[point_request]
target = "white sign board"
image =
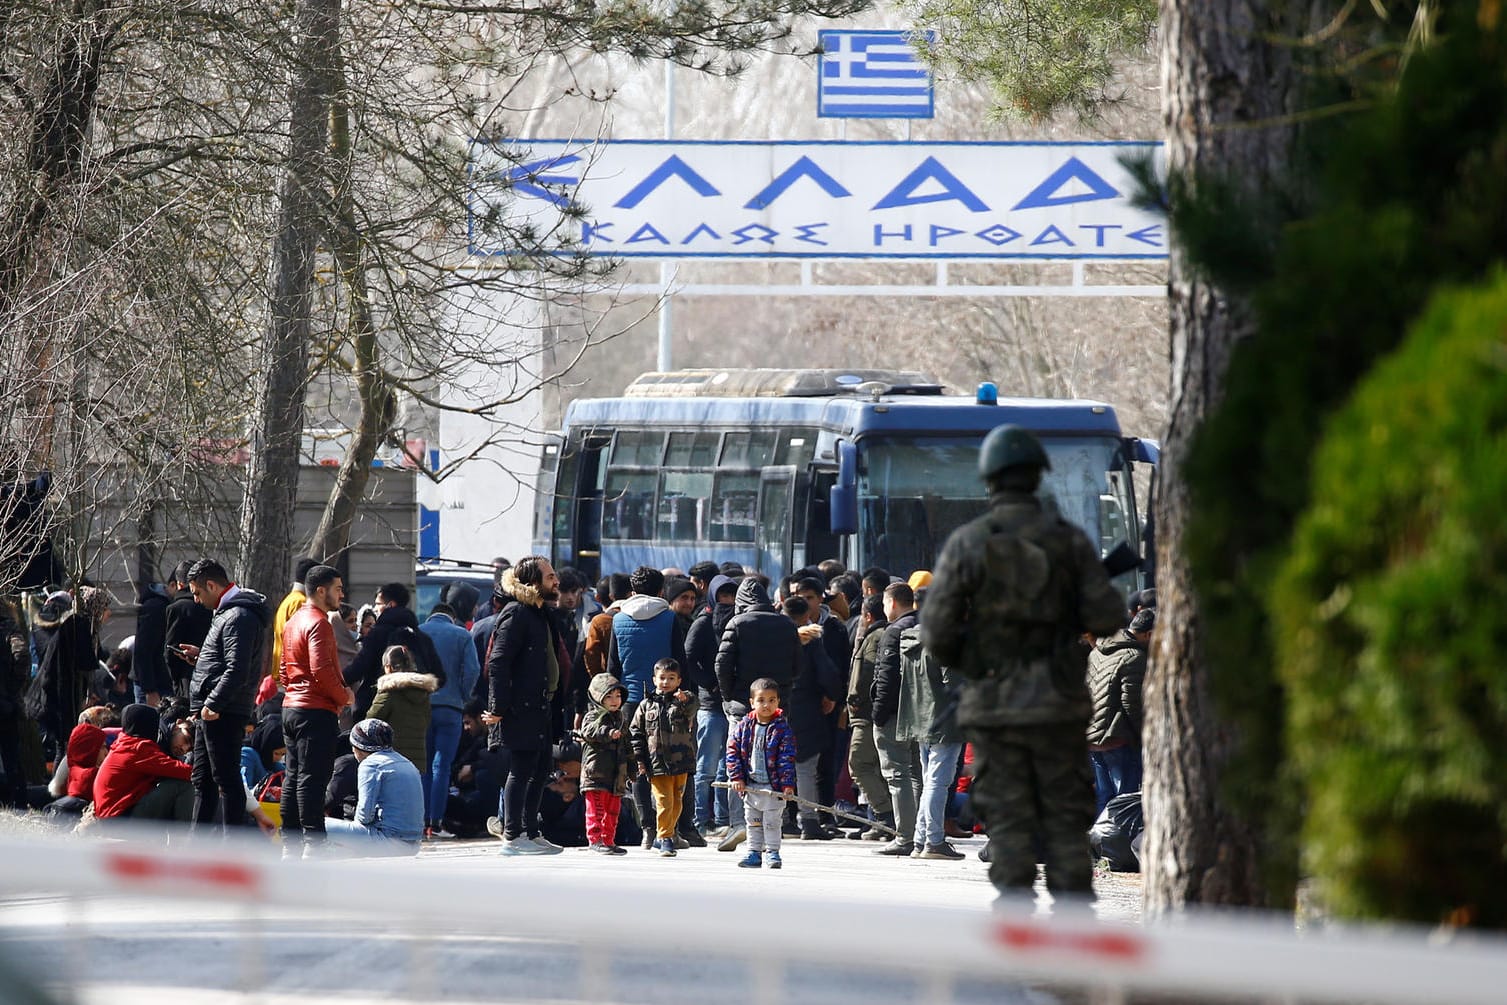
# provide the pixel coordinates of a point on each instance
(798, 199)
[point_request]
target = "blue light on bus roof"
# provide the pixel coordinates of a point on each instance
(848, 379)
(988, 394)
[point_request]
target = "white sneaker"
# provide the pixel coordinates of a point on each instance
(545, 845)
(521, 845)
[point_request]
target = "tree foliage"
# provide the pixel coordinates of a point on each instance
(1381, 209)
(1037, 58)
(1389, 631)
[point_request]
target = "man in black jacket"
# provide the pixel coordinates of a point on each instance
(701, 641)
(227, 670)
(187, 624)
(758, 642)
(153, 683)
(897, 756)
(393, 616)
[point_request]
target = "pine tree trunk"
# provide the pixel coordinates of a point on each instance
(1227, 90)
(272, 475)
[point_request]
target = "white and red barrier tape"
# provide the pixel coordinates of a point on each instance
(1208, 953)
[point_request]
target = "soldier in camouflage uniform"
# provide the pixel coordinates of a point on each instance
(1011, 595)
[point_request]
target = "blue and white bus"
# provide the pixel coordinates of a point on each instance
(777, 469)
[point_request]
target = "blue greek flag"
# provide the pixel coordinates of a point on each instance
(872, 75)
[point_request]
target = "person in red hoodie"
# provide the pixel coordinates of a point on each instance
(137, 779)
(86, 752)
(315, 694)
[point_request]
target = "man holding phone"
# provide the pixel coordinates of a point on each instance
(227, 670)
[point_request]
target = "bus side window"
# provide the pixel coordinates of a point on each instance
(684, 505)
(628, 505)
(735, 500)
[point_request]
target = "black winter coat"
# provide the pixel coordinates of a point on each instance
(816, 679)
(518, 686)
(64, 673)
(187, 624)
(884, 696)
(362, 675)
(701, 652)
(758, 642)
(148, 656)
(234, 657)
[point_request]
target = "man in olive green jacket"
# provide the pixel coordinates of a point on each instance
(863, 756)
(926, 715)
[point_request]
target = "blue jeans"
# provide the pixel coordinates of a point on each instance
(1116, 772)
(711, 766)
(939, 762)
(359, 839)
(441, 742)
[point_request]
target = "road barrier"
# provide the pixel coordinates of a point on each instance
(1206, 953)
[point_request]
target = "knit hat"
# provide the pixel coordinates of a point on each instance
(919, 578)
(1144, 621)
(370, 735)
(676, 586)
(140, 721)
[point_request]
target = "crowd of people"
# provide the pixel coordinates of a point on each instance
(720, 706)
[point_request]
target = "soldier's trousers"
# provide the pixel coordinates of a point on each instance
(1030, 783)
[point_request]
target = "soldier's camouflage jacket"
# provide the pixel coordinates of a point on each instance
(1011, 594)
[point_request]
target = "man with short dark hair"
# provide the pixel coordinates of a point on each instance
(702, 574)
(291, 603)
(897, 756)
(316, 693)
(187, 624)
(227, 670)
(393, 614)
(863, 754)
(874, 581)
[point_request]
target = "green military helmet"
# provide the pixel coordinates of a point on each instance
(1010, 447)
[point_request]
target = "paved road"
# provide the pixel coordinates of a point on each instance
(121, 952)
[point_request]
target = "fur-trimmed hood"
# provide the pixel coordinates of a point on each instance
(521, 592)
(405, 678)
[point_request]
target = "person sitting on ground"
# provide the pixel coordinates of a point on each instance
(137, 779)
(263, 752)
(86, 752)
(403, 703)
(389, 798)
(562, 811)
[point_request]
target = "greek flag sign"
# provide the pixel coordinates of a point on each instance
(873, 75)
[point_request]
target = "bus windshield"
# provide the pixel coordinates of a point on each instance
(915, 491)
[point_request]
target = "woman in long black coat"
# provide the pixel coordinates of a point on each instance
(66, 670)
(523, 677)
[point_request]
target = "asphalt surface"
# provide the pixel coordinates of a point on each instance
(122, 952)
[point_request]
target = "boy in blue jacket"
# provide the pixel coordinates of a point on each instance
(761, 758)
